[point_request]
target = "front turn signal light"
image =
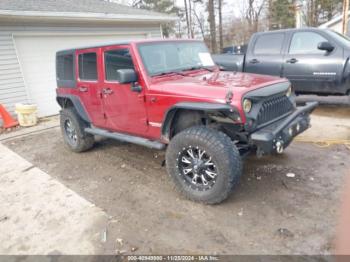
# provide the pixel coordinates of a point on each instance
(289, 91)
(247, 105)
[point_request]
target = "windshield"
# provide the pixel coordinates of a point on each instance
(340, 38)
(171, 57)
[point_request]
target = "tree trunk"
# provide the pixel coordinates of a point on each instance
(200, 23)
(190, 18)
(221, 37)
(345, 16)
(270, 16)
(187, 20)
(212, 25)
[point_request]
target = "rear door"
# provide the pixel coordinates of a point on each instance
(88, 84)
(265, 54)
(124, 109)
(310, 69)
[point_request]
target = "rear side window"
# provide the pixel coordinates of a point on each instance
(269, 44)
(65, 68)
(306, 43)
(88, 66)
(115, 60)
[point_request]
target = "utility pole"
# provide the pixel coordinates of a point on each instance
(345, 16)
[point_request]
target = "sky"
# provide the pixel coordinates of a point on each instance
(231, 7)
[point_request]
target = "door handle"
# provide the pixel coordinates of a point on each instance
(254, 61)
(83, 89)
(107, 91)
(292, 60)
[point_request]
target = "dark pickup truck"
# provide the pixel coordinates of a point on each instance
(316, 61)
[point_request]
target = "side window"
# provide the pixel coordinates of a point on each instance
(65, 67)
(115, 60)
(306, 43)
(88, 66)
(268, 44)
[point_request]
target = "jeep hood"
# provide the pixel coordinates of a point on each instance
(211, 86)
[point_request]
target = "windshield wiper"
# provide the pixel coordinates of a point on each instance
(170, 72)
(199, 67)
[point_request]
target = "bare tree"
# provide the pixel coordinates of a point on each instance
(200, 22)
(345, 16)
(253, 13)
(187, 20)
(221, 37)
(212, 25)
(190, 18)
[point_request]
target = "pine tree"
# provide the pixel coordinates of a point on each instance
(282, 14)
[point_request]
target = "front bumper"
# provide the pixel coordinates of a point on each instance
(276, 137)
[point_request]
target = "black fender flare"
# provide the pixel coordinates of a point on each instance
(195, 106)
(76, 103)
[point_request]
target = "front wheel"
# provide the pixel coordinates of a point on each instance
(204, 164)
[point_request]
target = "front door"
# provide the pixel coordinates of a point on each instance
(310, 69)
(265, 55)
(88, 87)
(124, 109)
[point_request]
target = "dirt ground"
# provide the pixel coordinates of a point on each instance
(269, 212)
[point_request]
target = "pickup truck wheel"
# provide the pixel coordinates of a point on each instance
(204, 164)
(72, 128)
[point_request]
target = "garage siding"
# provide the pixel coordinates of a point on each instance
(12, 84)
(12, 88)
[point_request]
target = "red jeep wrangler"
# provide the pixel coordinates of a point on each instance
(170, 94)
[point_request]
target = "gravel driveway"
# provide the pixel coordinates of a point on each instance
(269, 213)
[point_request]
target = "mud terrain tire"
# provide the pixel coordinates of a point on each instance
(220, 164)
(72, 128)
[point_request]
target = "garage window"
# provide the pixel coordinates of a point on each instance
(88, 66)
(115, 60)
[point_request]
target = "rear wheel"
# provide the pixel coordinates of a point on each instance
(72, 128)
(204, 164)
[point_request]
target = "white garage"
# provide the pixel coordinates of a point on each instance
(29, 40)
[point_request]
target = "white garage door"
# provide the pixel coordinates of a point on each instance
(37, 57)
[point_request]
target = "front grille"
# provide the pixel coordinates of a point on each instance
(274, 108)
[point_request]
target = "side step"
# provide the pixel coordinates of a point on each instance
(127, 138)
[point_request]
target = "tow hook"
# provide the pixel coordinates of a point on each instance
(279, 146)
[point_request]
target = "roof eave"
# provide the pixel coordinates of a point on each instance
(333, 21)
(86, 16)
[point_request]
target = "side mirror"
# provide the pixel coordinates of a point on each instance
(326, 46)
(126, 76)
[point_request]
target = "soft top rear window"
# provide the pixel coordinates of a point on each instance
(65, 69)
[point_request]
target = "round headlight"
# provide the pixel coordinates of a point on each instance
(289, 91)
(247, 105)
